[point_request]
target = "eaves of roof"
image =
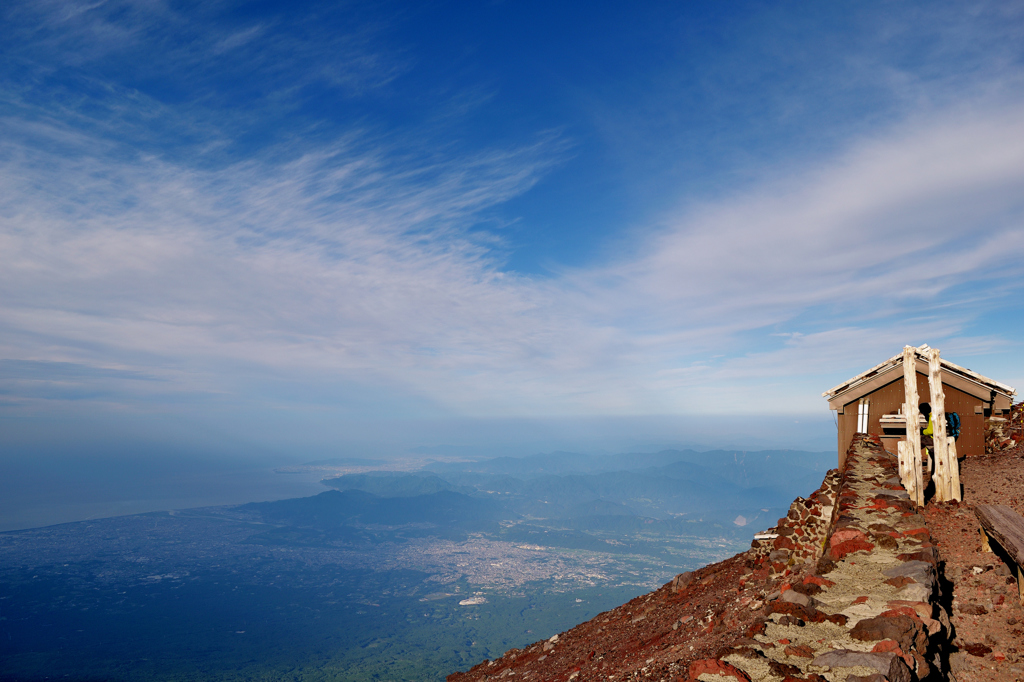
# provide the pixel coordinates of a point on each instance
(897, 361)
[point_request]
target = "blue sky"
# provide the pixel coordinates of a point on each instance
(307, 228)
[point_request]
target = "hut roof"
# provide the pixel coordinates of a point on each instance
(953, 374)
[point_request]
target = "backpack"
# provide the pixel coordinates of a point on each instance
(953, 424)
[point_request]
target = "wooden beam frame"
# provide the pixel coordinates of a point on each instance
(910, 472)
(941, 477)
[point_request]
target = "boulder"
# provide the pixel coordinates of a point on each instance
(846, 658)
(681, 581)
(859, 544)
(927, 554)
(902, 629)
(711, 666)
(914, 592)
(794, 597)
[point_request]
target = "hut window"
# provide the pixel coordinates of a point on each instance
(862, 415)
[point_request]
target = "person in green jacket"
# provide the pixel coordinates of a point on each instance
(927, 442)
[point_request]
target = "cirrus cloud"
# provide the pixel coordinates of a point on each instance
(351, 265)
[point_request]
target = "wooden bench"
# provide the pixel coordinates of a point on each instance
(1006, 527)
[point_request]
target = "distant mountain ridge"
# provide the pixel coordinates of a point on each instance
(394, 483)
(563, 485)
(345, 461)
(573, 462)
(355, 507)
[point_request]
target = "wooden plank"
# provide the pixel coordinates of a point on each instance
(1005, 526)
(901, 458)
(1020, 584)
(954, 469)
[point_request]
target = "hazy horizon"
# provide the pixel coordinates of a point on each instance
(62, 482)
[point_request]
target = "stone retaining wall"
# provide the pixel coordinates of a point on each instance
(800, 535)
(1005, 432)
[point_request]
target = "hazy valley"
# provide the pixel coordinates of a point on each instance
(389, 575)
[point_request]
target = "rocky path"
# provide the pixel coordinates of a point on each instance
(869, 610)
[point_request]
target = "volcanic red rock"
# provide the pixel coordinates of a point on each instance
(901, 629)
(712, 666)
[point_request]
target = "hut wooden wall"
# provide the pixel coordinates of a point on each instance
(889, 398)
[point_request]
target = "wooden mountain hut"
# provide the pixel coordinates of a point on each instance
(873, 402)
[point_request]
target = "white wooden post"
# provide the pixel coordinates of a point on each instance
(943, 478)
(915, 480)
(903, 458)
(954, 469)
(901, 451)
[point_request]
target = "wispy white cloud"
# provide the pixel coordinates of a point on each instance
(171, 81)
(892, 222)
(354, 265)
(353, 255)
(349, 260)
(906, 237)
